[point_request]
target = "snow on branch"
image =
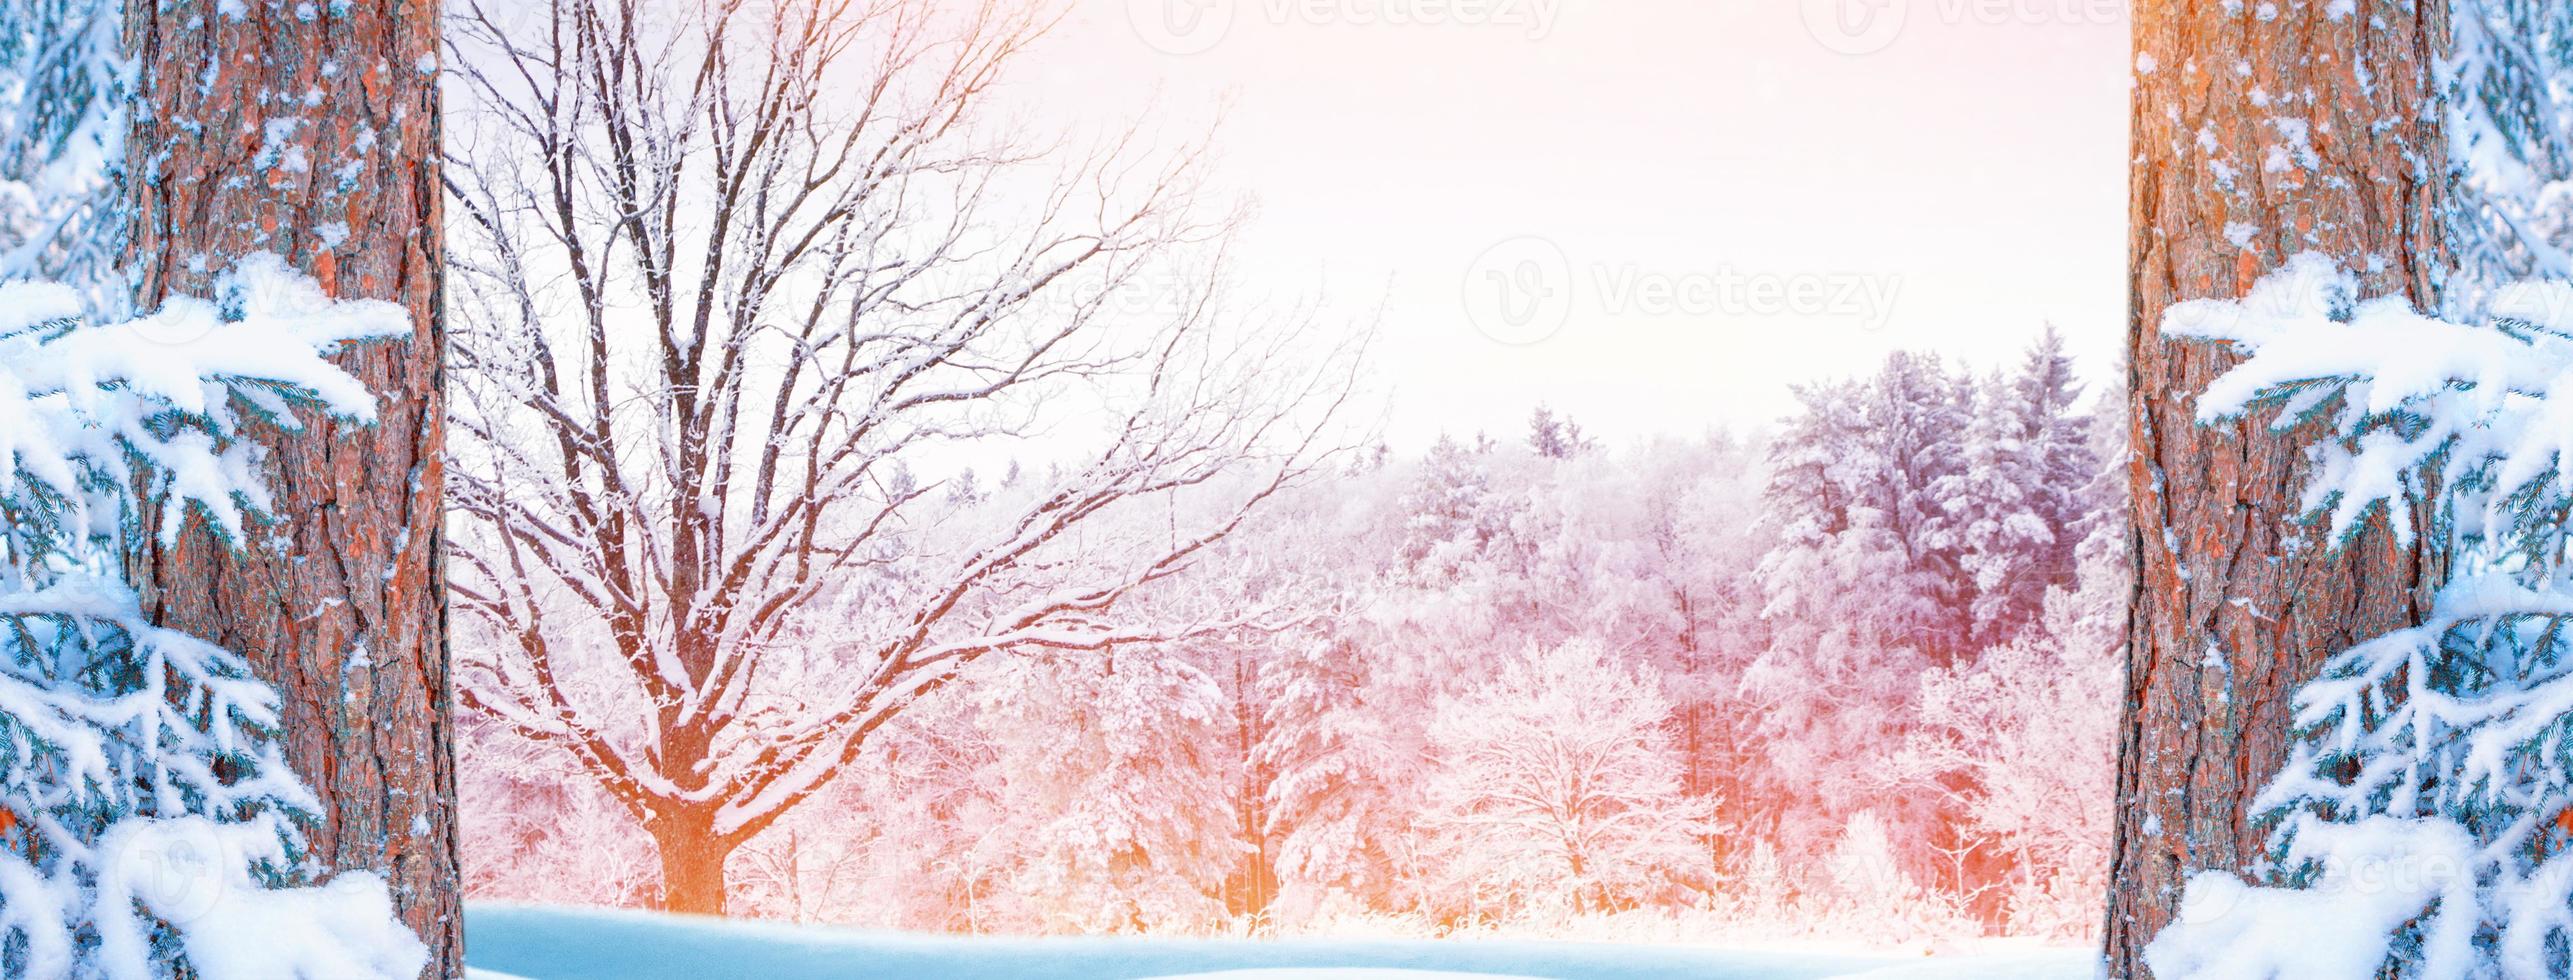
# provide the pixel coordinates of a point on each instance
(165, 394)
(728, 366)
(63, 81)
(145, 809)
(2487, 410)
(2424, 813)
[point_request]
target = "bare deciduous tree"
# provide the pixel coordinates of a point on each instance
(735, 275)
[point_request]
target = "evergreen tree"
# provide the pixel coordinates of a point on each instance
(1331, 803)
(2016, 507)
(2062, 454)
(1915, 414)
(1859, 473)
(62, 138)
(1114, 782)
(1864, 589)
(350, 619)
(2509, 129)
(1451, 516)
(2237, 604)
(2418, 825)
(1995, 508)
(150, 808)
(1553, 437)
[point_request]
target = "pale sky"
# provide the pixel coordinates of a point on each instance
(1696, 203)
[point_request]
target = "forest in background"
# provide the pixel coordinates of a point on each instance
(1852, 676)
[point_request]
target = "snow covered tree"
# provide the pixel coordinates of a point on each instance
(2509, 126)
(1557, 790)
(149, 815)
(925, 817)
(744, 281)
(1451, 518)
(1251, 885)
(1053, 794)
(2419, 821)
(2063, 450)
(62, 131)
(1865, 462)
(1170, 793)
(310, 131)
(538, 830)
(2023, 739)
(1701, 529)
(2310, 126)
(1335, 750)
(1865, 892)
(2014, 507)
(1862, 590)
(1992, 509)
(1338, 824)
(1116, 784)
(1555, 437)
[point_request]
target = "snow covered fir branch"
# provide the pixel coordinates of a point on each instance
(152, 824)
(2420, 819)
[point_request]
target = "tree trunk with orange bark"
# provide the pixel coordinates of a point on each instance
(2260, 131)
(312, 131)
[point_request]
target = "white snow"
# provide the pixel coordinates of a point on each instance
(552, 943)
(2383, 872)
(1337, 973)
(194, 871)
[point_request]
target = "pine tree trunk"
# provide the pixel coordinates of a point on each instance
(311, 131)
(2260, 131)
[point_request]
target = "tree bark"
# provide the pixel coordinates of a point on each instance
(2260, 131)
(692, 864)
(312, 131)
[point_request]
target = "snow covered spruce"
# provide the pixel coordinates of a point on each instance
(2424, 816)
(147, 818)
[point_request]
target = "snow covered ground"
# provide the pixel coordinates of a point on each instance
(544, 943)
